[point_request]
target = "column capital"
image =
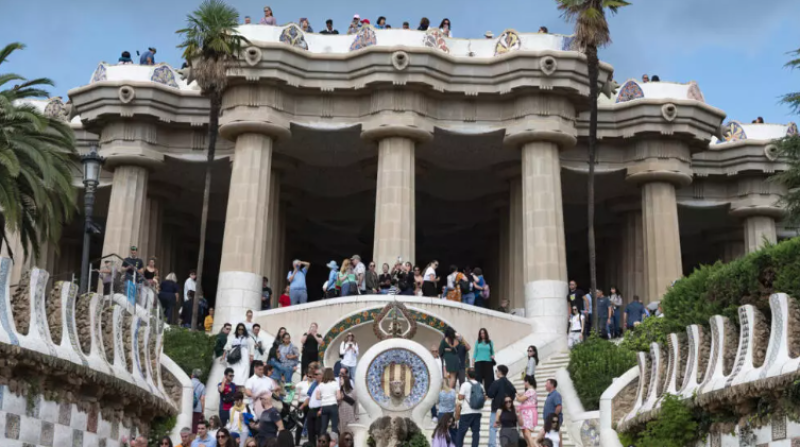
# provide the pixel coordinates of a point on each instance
(410, 131)
(755, 210)
(521, 136)
(117, 155)
(659, 160)
(675, 177)
(233, 129)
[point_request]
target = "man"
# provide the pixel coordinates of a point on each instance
(199, 396)
(645, 78)
(330, 284)
(313, 404)
(633, 313)
(190, 285)
(355, 25)
(605, 313)
(468, 418)
(149, 58)
(552, 405)
(575, 297)
(760, 120)
(587, 313)
(498, 391)
(543, 30)
(247, 20)
(257, 386)
(203, 439)
(258, 347)
(266, 294)
(371, 279)
(334, 439)
(208, 323)
(504, 307)
(133, 265)
(360, 271)
(405, 25)
(301, 392)
(222, 340)
(440, 365)
(107, 276)
(462, 350)
(185, 433)
(297, 282)
(269, 422)
(329, 28)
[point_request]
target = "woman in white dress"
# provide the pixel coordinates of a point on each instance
(238, 342)
(348, 351)
(551, 431)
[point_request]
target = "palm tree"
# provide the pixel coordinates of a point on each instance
(37, 153)
(789, 149)
(211, 44)
(591, 33)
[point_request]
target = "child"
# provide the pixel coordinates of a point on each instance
(285, 300)
(209, 321)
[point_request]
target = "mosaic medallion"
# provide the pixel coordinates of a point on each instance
(434, 38)
(365, 38)
(56, 108)
(590, 434)
(695, 93)
(568, 43)
(791, 131)
(164, 75)
(292, 35)
(732, 131)
(397, 378)
(12, 426)
(509, 41)
(99, 74)
(46, 437)
(630, 91)
(5, 268)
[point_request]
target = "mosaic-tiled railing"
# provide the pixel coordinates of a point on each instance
(723, 365)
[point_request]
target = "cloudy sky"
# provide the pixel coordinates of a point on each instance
(734, 49)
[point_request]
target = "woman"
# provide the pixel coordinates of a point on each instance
(347, 279)
(447, 407)
(444, 27)
(125, 59)
(236, 419)
(329, 289)
(424, 23)
(616, 301)
(327, 392)
(310, 341)
(418, 281)
(237, 347)
(248, 322)
(483, 356)
(381, 23)
(150, 272)
(288, 356)
(384, 280)
(551, 430)
(348, 351)
(268, 18)
(301, 393)
(279, 336)
(449, 354)
(165, 442)
(251, 442)
(224, 438)
(429, 280)
(345, 439)
(576, 322)
(348, 403)
(478, 284)
(528, 410)
(530, 368)
(168, 296)
(305, 25)
(214, 424)
(442, 435)
(506, 421)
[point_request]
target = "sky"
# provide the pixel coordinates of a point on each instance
(734, 49)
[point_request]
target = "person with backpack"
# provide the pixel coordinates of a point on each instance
(199, 398)
(464, 284)
(478, 286)
(471, 398)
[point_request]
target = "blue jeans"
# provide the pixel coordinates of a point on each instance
(468, 298)
(298, 296)
(615, 322)
(469, 422)
(492, 430)
(351, 370)
(345, 291)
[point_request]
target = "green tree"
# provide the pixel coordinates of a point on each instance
(591, 33)
(37, 153)
(211, 45)
(789, 149)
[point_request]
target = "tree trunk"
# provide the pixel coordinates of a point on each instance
(213, 131)
(594, 68)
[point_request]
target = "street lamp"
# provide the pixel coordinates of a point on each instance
(92, 164)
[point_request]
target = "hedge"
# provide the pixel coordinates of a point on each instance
(190, 349)
(593, 365)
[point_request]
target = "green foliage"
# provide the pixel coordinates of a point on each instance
(593, 365)
(651, 330)
(676, 426)
(793, 99)
(418, 440)
(789, 151)
(190, 350)
(161, 427)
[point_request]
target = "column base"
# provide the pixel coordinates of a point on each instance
(545, 303)
(237, 293)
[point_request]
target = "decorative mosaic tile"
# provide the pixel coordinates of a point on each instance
(5, 268)
(91, 421)
(292, 35)
(775, 336)
(778, 427)
(48, 431)
(630, 91)
(12, 426)
(136, 346)
(401, 362)
(796, 442)
(732, 131)
(65, 414)
(695, 93)
(791, 130)
(509, 41)
(568, 43)
(77, 438)
(115, 430)
(99, 74)
(71, 332)
(365, 38)
(164, 75)
(590, 434)
(40, 314)
(435, 39)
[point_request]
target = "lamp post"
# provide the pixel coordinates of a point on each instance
(92, 164)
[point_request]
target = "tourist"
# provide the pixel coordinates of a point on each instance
(499, 390)
(329, 288)
(208, 323)
(186, 435)
(273, 361)
(506, 420)
(150, 273)
(552, 405)
(214, 424)
(301, 394)
(543, 30)
(588, 310)
(247, 20)
(236, 423)
(365, 22)
(107, 276)
(305, 26)
(190, 285)
(465, 285)
(325, 440)
(258, 385)
(202, 437)
(616, 301)
(488, 35)
(645, 78)
(326, 392)
(406, 25)
(297, 282)
(257, 347)
(605, 312)
(313, 404)
(251, 442)
(479, 286)
(430, 279)
(199, 398)
(329, 28)
(165, 442)
(575, 298)
(346, 439)
(442, 434)
(222, 340)
(424, 23)
(360, 271)
(348, 352)
(269, 422)
(551, 430)
(381, 23)
(446, 407)
(347, 400)
(418, 281)
(168, 296)
(576, 324)
(462, 350)
(288, 355)
(224, 438)
(148, 58)
(266, 294)
(533, 361)
(371, 279)
(125, 59)
(469, 411)
(384, 280)
(483, 358)
(248, 321)
(529, 410)
(237, 355)
(655, 78)
(348, 279)
(438, 362)
(447, 351)
(634, 313)
(355, 25)
(285, 299)
(760, 120)
(504, 307)
(187, 309)
(445, 28)
(310, 342)
(133, 265)
(268, 18)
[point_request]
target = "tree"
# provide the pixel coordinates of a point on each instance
(789, 149)
(37, 153)
(591, 33)
(211, 44)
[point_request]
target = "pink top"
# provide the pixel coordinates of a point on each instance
(441, 441)
(531, 402)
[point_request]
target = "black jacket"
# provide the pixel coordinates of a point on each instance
(499, 390)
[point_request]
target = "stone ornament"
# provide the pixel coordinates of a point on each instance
(364, 38)
(568, 43)
(397, 379)
(771, 152)
(590, 433)
(630, 90)
(435, 39)
(669, 112)
(400, 60)
(548, 64)
(791, 131)
(252, 55)
(99, 74)
(56, 108)
(394, 321)
(293, 36)
(695, 93)
(732, 131)
(126, 94)
(509, 41)
(164, 75)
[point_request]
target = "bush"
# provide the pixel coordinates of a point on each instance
(651, 330)
(190, 350)
(676, 426)
(160, 428)
(593, 365)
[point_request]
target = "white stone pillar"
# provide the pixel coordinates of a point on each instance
(516, 268)
(633, 271)
(125, 210)
(662, 238)
(758, 231)
(151, 230)
(503, 281)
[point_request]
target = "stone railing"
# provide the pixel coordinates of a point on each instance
(100, 354)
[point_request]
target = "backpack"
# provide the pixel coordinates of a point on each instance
(476, 396)
(463, 284)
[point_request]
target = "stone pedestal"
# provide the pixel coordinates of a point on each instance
(125, 210)
(516, 267)
(661, 238)
(758, 231)
(633, 271)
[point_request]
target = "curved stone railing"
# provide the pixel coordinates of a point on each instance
(110, 351)
(738, 366)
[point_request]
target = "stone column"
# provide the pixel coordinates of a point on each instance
(759, 231)
(516, 268)
(246, 227)
(151, 230)
(756, 204)
(504, 246)
(633, 271)
(125, 210)
(270, 249)
(731, 250)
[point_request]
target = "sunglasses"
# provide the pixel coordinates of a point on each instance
(221, 436)
(164, 443)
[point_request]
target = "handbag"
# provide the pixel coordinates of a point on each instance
(491, 347)
(235, 355)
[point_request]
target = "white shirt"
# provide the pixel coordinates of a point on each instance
(361, 270)
(313, 402)
(349, 357)
(301, 390)
(264, 347)
(430, 274)
(260, 385)
(465, 390)
(451, 281)
(575, 323)
(190, 284)
(327, 393)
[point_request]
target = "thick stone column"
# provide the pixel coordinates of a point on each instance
(759, 231)
(662, 238)
(503, 261)
(272, 244)
(633, 271)
(516, 268)
(756, 204)
(125, 210)
(151, 233)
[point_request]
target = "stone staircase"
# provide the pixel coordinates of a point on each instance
(546, 370)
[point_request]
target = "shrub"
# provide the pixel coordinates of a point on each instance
(161, 427)
(190, 350)
(651, 330)
(676, 426)
(593, 365)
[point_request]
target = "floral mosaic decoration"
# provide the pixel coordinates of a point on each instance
(791, 131)
(630, 91)
(164, 75)
(365, 38)
(509, 41)
(435, 39)
(390, 359)
(732, 131)
(293, 36)
(99, 74)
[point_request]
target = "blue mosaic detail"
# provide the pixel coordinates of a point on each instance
(568, 43)
(365, 38)
(130, 292)
(630, 91)
(164, 75)
(791, 131)
(398, 356)
(100, 74)
(5, 268)
(292, 35)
